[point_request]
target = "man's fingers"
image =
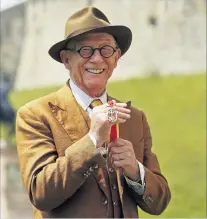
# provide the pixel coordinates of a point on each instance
(123, 115)
(119, 109)
(120, 164)
(120, 156)
(101, 113)
(118, 146)
(120, 105)
(118, 149)
(123, 110)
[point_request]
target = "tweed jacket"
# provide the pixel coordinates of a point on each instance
(55, 154)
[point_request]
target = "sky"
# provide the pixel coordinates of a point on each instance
(9, 3)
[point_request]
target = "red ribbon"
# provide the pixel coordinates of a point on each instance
(114, 132)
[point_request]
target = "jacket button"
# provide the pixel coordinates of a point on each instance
(91, 169)
(114, 186)
(85, 175)
(88, 173)
(111, 170)
(104, 202)
(95, 166)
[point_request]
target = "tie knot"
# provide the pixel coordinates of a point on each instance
(95, 103)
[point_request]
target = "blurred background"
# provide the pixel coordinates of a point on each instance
(163, 73)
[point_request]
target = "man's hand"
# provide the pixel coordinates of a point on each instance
(121, 155)
(100, 126)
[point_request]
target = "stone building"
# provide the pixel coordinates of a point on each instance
(12, 35)
(169, 36)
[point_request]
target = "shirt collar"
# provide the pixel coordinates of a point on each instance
(82, 98)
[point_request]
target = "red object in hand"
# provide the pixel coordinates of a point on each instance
(114, 133)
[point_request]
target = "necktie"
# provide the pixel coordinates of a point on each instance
(95, 103)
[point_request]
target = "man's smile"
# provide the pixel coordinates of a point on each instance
(95, 71)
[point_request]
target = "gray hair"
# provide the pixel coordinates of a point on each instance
(72, 44)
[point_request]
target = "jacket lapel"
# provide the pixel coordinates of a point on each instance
(70, 115)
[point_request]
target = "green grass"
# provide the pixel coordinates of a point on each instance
(176, 110)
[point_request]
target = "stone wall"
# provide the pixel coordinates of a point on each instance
(169, 36)
(12, 39)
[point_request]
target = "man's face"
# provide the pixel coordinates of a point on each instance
(91, 74)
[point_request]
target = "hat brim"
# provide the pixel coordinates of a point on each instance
(122, 35)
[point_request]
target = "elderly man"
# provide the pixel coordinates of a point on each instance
(81, 152)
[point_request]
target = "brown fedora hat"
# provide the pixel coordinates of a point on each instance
(91, 20)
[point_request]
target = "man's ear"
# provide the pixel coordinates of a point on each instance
(118, 55)
(65, 59)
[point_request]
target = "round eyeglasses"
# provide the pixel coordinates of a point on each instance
(87, 51)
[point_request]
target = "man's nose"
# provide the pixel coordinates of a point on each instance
(96, 57)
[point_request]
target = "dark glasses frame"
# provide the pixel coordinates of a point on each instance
(93, 50)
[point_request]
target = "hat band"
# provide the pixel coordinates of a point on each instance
(83, 30)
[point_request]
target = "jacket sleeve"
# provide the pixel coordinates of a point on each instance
(157, 193)
(48, 178)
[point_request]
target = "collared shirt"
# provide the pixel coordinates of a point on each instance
(84, 101)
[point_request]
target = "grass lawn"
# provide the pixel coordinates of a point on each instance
(176, 110)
